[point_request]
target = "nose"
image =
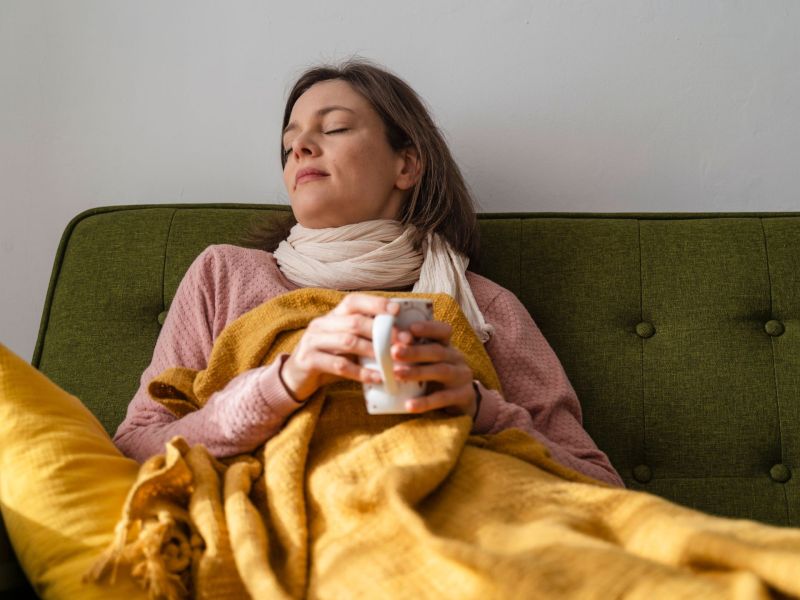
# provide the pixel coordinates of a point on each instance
(304, 145)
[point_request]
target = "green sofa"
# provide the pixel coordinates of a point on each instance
(679, 332)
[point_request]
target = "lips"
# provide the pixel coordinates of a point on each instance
(308, 174)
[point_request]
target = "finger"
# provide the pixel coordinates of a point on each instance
(341, 343)
(425, 353)
(343, 367)
(432, 330)
(366, 304)
(457, 397)
(357, 324)
(444, 373)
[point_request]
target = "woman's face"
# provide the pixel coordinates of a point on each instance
(340, 168)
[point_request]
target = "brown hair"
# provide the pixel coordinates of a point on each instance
(440, 201)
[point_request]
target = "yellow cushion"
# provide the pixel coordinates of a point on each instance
(62, 483)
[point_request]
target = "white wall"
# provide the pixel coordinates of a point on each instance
(549, 105)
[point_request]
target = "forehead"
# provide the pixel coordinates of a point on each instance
(324, 94)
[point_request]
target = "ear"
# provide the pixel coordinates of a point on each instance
(410, 169)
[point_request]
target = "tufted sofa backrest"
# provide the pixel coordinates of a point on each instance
(679, 332)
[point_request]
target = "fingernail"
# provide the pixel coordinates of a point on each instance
(405, 337)
(393, 308)
(411, 405)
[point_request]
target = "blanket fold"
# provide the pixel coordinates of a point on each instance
(341, 503)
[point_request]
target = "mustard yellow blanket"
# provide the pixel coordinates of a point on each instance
(343, 504)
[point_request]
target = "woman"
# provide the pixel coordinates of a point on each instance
(379, 204)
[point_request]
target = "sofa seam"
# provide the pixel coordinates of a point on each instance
(774, 366)
(641, 342)
(164, 264)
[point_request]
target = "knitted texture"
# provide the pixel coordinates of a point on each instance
(247, 344)
(341, 503)
(226, 281)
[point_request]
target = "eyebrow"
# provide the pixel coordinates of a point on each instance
(320, 113)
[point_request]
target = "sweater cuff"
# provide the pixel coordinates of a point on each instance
(487, 412)
(273, 392)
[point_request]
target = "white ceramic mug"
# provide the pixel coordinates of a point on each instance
(389, 397)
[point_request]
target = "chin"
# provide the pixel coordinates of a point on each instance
(319, 221)
(321, 213)
(314, 212)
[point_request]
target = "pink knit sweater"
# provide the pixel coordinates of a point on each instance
(226, 281)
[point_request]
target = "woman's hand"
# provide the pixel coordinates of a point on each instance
(332, 343)
(445, 368)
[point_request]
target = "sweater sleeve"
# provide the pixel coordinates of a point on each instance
(248, 411)
(539, 399)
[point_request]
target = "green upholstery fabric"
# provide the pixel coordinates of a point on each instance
(679, 332)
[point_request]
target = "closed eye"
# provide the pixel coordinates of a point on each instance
(288, 151)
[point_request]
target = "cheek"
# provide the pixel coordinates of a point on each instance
(368, 164)
(358, 155)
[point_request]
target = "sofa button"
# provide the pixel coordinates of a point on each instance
(642, 473)
(161, 317)
(780, 473)
(774, 328)
(645, 329)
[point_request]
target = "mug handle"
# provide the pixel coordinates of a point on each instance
(381, 345)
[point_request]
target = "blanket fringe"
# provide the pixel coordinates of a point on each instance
(160, 555)
(155, 538)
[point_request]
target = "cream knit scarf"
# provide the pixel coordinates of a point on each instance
(375, 255)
